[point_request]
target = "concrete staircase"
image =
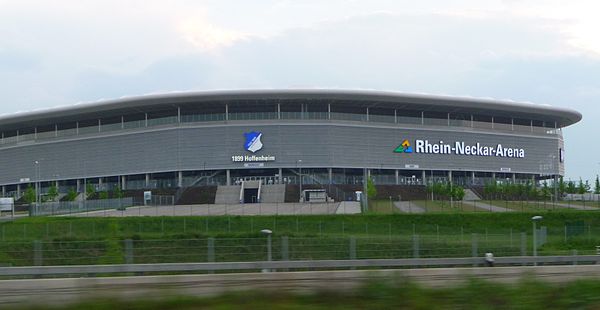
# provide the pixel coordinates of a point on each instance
(470, 195)
(228, 194)
(274, 193)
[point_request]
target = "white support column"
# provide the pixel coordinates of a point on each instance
(180, 179)
(147, 180)
(397, 177)
(100, 181)
(278, 110)
(473, 176)
(280, 176)
(123, 182)
(450, 176)
(178, 115)
(494, 176)
(78, 186)
(3, 191)
(424, 177)
(18, 190)
(226, 112)
(330, 172)
(514, 178)
(228, 177)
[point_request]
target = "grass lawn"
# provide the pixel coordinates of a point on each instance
(64, 240)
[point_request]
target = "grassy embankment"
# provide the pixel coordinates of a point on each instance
(184, 239)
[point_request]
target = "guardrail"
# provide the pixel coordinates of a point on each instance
(291, 265)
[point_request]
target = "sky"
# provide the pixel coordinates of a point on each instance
(56, 53)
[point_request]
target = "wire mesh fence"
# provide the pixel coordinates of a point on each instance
(119, 251)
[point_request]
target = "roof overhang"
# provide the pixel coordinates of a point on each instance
(100, 109)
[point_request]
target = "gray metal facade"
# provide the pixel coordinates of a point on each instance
(324, 144)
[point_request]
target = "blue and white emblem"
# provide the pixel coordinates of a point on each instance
(253, 142)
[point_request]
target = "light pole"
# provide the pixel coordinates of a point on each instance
(534, 220)
(268, 232)
(37, 183)
(299, 163)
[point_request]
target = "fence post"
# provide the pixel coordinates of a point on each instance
(352, 247)
(285, 248)
(128, 251)
(210, 251)
(416, 249)
(474, 247)
(38, 257)
(523, 244)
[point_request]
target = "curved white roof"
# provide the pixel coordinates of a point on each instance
(371, 98)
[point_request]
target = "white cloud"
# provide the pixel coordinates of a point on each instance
(206, 36)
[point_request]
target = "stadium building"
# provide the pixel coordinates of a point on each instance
(322, 138)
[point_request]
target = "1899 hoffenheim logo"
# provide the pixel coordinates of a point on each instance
(253, 142)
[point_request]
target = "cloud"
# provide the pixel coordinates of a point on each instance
(208, 37)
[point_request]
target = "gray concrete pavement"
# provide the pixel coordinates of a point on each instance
(408, 207)
(219, 209)
(485, 206)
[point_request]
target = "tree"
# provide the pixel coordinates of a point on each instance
(597, 186)
(52, 193)
(103, 195)
(371, 190)
(30, 195)
(562, 187)
(545, 191)
(71, 195)
(90, 190)
(581, 187)
(118, 192)
(571, 187)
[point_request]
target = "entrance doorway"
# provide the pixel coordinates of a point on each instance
(250, 195)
